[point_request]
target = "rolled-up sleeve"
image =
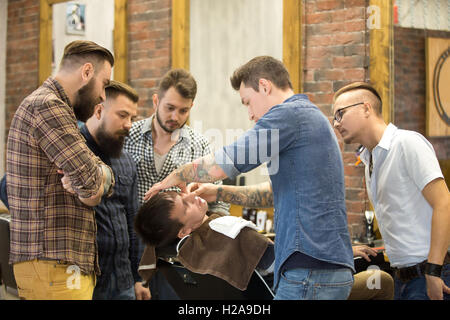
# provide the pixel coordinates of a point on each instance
(57, 134)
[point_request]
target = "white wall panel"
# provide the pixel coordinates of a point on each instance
(223, 36)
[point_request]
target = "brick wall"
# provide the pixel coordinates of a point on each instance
(336, 47)
(149, 34)
(149, 47)
(410, 83)
(22, 54)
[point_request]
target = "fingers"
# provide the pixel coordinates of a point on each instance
(446, 289)
(152, 191)
(191, 187)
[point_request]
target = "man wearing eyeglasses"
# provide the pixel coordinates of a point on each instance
(406, 186)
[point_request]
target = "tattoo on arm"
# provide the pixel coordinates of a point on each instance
(251, 196)
(201, 170)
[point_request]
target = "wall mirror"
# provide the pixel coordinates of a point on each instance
(102, 21)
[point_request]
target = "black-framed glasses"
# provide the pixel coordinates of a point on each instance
(338, 115)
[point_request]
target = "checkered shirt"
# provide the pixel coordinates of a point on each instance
(46, 220)
(190, 146)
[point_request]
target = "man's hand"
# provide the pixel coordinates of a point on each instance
(142, 293)
(207, 191)
(203, 169)
(363, 251)
(170, 181)
(436, 287)
(67, 185)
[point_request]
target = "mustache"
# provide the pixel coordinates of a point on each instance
(123, 132)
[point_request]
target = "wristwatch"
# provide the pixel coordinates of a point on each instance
(433, 269)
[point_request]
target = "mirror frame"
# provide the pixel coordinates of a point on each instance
(292, 41)
(381, 66)
(120, 39)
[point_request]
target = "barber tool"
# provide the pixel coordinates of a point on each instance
(369, 219)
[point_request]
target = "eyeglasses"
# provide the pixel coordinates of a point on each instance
(338, 115)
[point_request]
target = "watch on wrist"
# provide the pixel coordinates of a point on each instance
(433, 269)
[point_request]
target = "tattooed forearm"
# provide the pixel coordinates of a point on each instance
(201, 170)
(259, 196)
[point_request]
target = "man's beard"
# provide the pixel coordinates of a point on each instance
(108, 144)
(85, 102)
(163, 126)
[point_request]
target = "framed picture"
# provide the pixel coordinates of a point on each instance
(75, 18)
(437, 78)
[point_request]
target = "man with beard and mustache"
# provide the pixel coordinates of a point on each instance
(118, 247)
(163, 142)
(53, 231)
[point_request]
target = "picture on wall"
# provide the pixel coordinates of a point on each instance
(438, 95)
(75, 18)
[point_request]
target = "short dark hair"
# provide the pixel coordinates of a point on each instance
(153, 222)
(265, 67)
(81, 51)
(360, 85)
(181, 80)
(114, 88)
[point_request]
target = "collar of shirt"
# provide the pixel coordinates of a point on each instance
(296, 97)
(58, 89)
(147, 129)
(385, 143)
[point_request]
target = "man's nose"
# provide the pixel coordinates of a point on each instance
(251, 116)
(128, 124)
(188, 197)
(335, 123)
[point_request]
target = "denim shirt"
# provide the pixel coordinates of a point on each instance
(307, 175)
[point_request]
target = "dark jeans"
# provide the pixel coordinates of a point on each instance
(109, 291)
(416, 289)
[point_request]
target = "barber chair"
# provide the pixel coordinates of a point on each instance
(193, 286)
(6, 270)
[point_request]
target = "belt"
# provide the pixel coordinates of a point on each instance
(409, 273)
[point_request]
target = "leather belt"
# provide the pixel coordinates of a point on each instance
(409, 273)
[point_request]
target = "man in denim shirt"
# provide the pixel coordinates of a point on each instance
(313, 254)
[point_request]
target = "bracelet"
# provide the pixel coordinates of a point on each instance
(432, 269)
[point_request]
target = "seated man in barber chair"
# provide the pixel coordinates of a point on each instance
(224, 246)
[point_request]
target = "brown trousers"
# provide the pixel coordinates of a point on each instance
(372, 285)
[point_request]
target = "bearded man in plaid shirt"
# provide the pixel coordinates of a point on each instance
(54, 179)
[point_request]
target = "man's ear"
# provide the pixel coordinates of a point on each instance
(265, 86)
(184, 231)
(87, 72)
(368, 109)
(98, 109)
(155, 99)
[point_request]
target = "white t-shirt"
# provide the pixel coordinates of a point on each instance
(404, 162)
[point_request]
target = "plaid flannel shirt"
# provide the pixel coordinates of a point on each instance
(190, 146)
(47, 221)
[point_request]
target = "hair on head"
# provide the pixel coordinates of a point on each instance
(153, 222)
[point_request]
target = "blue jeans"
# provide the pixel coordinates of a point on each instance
(312, 284)
(110, 291)
(416, 289)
